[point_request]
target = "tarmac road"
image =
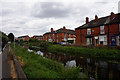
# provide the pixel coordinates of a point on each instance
(5, 65)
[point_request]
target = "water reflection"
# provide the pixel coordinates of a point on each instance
(71, 63)
(39, 52)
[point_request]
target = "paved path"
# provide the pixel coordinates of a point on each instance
(5, 64)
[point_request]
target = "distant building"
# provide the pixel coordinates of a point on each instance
(100, 31)
(38, 37)
(24, 38)
(59, 35)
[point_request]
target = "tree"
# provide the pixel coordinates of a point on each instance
(11, 37)
(4, 39)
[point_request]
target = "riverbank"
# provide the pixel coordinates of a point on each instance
(86, 52)
(95, 52)
(35, 66)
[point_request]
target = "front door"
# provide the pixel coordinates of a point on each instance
(112, 41)
(96, 42)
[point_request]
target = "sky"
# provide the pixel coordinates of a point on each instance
(36, 17)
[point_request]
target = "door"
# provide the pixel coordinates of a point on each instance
(112, 41)
(96, 41)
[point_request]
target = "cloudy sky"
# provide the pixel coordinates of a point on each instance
(35, 17)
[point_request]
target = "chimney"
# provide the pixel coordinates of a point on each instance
(96, 18)
(112, 15)
(64, 28)
(87, 20)
(51, 29)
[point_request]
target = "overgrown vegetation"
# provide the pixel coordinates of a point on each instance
(86, 52)
(36, 66)
(104, 53)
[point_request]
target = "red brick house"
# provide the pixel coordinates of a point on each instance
(24, 38)
(38, 37)
(59, 35)
(100, 31)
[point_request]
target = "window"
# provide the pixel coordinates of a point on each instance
(53, 35)
(102, 31)
(88, 31)
(118, 40)
(57, 35)
(50, 36)
(65, 37)
(88, 41)
(103, 40)
(69, 35)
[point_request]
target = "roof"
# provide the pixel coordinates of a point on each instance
(23, 36)
(61, 30)
(65, 31)
(37, 36)
(101, 21)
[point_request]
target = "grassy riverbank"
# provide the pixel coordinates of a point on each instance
(104, 53)
(86, 52)
(35, 66)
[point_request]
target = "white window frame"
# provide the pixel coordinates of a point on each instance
(118, 40)
(88, 31)
(102, 29)
(104, 39)
(53, 35)
(69, 35)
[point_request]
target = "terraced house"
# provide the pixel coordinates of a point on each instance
(100, 31)
(38, 37)
(24, 38)
(59, 35)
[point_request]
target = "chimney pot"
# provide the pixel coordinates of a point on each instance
(87, 20)
(112, 15)
(64, 28)
(96, 18)
(51, 29)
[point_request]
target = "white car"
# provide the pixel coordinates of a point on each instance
(9, 42)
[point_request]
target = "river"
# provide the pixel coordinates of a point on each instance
(96, 69)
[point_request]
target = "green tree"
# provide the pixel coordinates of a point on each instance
(4, 39)
(11, 37)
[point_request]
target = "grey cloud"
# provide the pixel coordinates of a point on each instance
(50, 9)
(102, 2)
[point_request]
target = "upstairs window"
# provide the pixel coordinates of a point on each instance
(64, 35)
(53, 35)
(69, 35)
(46, 36)
(57, 35)
(49, 35)
(89, 31)
(102, 30)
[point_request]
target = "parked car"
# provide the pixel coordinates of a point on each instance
(9, 42)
